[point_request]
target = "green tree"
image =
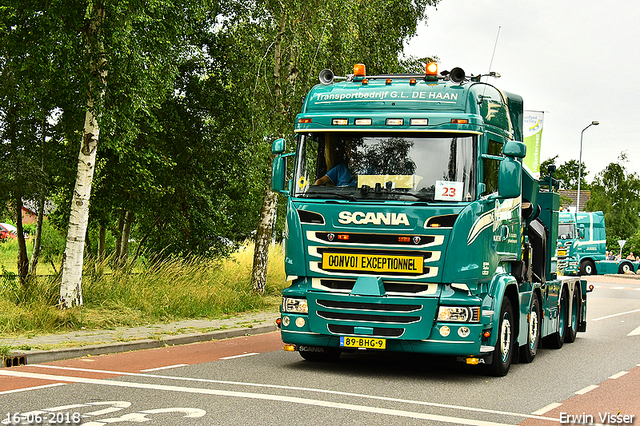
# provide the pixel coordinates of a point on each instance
(29, 87)
(567, 173)
(616, 192)
(130, 52)
(301, 39)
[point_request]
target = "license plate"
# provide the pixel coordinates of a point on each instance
(372, 262)
(363, 342)
(562, 253)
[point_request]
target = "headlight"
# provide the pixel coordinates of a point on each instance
(295, 306)
(459, 313)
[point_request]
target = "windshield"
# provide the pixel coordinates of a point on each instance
(566, 231)
(399, 166)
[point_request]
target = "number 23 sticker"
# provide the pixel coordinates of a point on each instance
(449, 191)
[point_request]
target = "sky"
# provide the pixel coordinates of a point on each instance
(575, 60)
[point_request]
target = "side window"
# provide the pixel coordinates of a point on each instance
(491, 167)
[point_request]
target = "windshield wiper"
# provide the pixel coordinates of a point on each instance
(331, 194)
(420, 197)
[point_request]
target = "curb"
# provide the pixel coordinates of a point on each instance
(17, 358)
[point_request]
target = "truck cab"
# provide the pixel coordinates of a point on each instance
(412, 227)
(588, 245)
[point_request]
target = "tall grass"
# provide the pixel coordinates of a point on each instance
(160, 291)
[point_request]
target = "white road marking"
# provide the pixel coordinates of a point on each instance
(240, 356)
(546, 409)
(33, 388)
(616, 315)
(164, 368)
(635, 332)
(295, 400)
(585, 390)
(618, 375)
(373, 397)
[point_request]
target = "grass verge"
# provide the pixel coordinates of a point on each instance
(174, 289)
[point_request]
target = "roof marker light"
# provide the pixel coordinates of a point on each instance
(304, 120)
(387, 81)
(363, 122)
(459, 121)
(340, 121)
(394, 121)
(431, 72)
(359, 70)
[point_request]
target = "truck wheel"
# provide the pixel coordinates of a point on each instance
(504, 346)
(556, 340)
(330, 355)
(574, 317)
(587, 268)
(625, 267)
(528, 352)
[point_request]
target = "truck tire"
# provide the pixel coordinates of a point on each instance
(574, 317)
(587, 268)
(329, 355)
(556, 340)
(503, 353)
(625, 267)
(530, 349)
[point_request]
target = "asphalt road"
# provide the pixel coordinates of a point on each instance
(251, 381)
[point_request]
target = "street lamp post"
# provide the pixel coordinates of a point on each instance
(593, 123)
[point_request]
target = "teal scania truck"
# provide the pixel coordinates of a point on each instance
(582, 242)
(582, 246)
(412, 226)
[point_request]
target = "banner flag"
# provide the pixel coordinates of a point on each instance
(532, 137)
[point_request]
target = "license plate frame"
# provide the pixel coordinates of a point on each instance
(359, 342)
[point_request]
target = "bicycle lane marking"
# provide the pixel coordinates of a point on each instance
(298, 400)
(616, 396)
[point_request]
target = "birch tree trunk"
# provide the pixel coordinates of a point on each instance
(126, 233)
(37, 241)
(23, 260)
(263, 238)
(102, 241)
(118, 247)
(268, 209)
(73, 258)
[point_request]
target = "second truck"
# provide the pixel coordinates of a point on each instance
(411, 225)
(582, 246)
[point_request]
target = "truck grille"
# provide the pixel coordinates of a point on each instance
(377, 239)
(389, 287)
(335, 304)
(391, 319)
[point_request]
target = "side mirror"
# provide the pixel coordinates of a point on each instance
(514, 149)
(278, 173)
(509, 178)
(581, 232)
(278, 146)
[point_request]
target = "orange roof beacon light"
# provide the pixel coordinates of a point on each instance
(431, 72)
(359, 70)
